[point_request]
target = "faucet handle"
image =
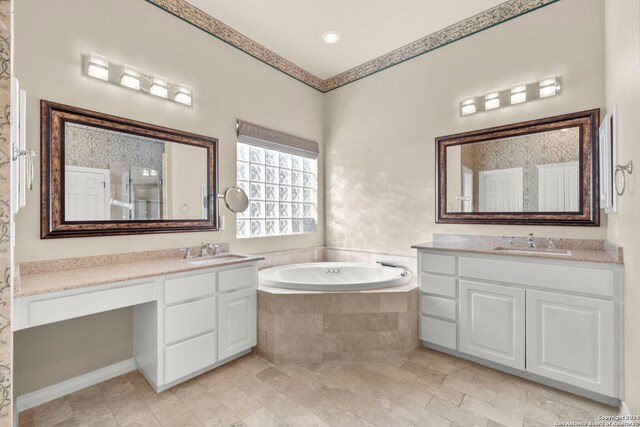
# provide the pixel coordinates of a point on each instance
(187, 253)
(551, 244)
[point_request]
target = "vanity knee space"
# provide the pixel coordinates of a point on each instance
(553, 321)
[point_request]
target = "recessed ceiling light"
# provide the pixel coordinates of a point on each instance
(331, 37)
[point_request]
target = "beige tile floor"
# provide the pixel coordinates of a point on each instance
(428, 389)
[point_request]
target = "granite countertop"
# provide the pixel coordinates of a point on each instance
(583, 250)
(40, 277)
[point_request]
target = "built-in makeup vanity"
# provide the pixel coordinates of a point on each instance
(189, 315)
(554, 315)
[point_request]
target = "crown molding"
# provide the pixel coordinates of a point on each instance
(484, 20)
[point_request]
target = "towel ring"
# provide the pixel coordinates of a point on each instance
(628, 168)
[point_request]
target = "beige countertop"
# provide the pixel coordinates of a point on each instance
(582, 250)
(39, 277)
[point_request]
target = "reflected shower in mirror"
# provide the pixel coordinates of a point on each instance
(537, 172)
(116, 176)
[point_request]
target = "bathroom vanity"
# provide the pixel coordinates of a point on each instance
(550, 318)
(189, 315)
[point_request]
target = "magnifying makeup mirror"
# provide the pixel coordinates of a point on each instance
(236, 199)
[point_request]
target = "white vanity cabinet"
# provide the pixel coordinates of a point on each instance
(551, 320)
(238, 322)
(572, 339)
(201, 320)
(492, 320)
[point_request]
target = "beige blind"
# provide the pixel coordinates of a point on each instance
(252, 134)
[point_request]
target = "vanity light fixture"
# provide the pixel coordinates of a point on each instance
(159, 86)
(183, 94)
(468, 105)
(130, 77)
(548, 86)
(98, 66)
(331, 37)
(492, 100)
(518, 93)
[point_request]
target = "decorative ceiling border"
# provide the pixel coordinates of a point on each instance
(489, 18)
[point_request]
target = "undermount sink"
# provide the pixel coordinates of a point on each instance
(535, 251)
(217, 259)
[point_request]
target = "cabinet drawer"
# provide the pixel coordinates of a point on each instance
(438, 332)
(439, 285)
(237, 278)
(440, 307)
(436, 263)
(190, 356)
(189, 287)
(190, 319)
(551, 276)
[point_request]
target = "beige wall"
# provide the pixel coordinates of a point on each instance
(46, 355)
(623, 90)
(50, 37)
(379, 131)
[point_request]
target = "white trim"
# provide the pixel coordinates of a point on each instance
(624, 409)
(72, 385)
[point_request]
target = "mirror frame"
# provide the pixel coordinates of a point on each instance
(53, 117)
(589, 214)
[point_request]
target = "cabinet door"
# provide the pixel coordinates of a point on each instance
(492, 323)
(237, 322)
(571, 339)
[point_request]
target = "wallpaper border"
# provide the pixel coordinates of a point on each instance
(490, 18)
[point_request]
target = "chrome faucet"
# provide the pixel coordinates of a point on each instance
(204, 250)
(530, 241)
(187, 253)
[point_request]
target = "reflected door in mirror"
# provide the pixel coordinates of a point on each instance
(527, 173)
(116, 176)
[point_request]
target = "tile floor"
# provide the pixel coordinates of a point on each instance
(428, 389)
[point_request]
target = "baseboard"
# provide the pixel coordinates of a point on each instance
(624, 409)
(72, 385)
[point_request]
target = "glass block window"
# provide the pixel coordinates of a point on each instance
(282, 190)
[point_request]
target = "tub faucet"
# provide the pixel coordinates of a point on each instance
(387, 264)
(530, 241)
(394, 265)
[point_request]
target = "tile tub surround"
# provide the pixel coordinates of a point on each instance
(295, 256)
(38, 277)
(318, 326)
(584, 250)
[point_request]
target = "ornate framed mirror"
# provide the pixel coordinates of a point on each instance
(106, 175)
(540, 172)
